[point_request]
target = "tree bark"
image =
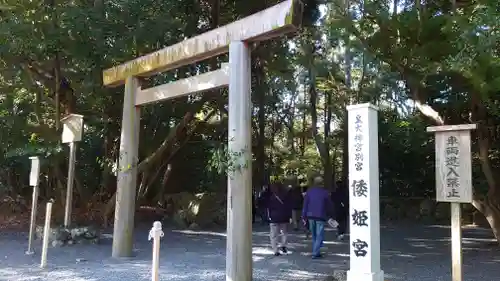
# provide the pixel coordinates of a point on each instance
(157, 155)
(261, 138)
(345, 150)
(328, 161)
(320, 144)
(489, 206)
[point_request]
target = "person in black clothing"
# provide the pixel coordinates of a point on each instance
(261, 204)
(296, 200)
(279, 210)
(341, 202)
(254, 207)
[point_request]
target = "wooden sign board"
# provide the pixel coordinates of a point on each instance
(35, 171)
(453, 163)
(72, 128)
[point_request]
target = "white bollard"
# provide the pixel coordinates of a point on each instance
(156, 233)
(46, 234)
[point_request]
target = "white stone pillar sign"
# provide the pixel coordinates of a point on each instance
(72, 133)
(239, 208)
(454, 181)
(364, 194)
(34, 181)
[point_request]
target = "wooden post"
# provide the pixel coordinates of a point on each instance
(454, 181)
(72, 133)
(239, 208)
(46, 234)
(34, 180)
(364, 194)
(156, 234)
(69, 189)
(456, 241)
(123, 231)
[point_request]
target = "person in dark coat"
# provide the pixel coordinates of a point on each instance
(296, 200)
(279, 212)
(305, 222)
(254, 207)
(262, 204)
(340, 200)
(317, 210)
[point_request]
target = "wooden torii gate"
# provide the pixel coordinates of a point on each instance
(234, 38)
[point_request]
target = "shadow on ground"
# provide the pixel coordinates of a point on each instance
(409, 253)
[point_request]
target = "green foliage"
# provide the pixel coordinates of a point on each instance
(348, 55)
(406, 156)
(226, 161)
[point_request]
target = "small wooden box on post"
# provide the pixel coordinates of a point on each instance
(72, 128)
(35, 171)
(72, 133)
(454, 180)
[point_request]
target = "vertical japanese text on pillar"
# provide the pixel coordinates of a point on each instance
(359, 189)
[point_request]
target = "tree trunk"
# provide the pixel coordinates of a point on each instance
(321, 145)
(303, 136)
(159, 154)
(261, 141)
(291, 124)
(327, 161)
(490, 208)
(345, 150)
(348, 84)
(108, 209)
(490, 205)
(166, 177)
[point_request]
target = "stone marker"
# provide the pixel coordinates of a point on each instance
(364, 194)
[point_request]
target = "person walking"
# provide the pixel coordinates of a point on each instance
(340, 200)
(318, 208)
(254, 206)
(296, 200)
(262, 204)
(279, 212)
(306, 223)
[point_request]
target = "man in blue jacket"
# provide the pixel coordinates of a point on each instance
(279, 212)
(318, 208)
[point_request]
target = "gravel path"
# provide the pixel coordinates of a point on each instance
(410, 253)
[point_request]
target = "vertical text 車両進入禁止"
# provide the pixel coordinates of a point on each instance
(452, 163)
